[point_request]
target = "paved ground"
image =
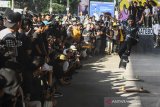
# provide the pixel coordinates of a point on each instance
(93, 83)
(101, 77)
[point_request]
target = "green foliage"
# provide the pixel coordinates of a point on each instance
(74, 6)
(58, 8)
(103, 0)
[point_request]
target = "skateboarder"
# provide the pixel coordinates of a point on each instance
(131, 38)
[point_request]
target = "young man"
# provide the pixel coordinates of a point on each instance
(156, 32)
(9, 34)
(131, 38)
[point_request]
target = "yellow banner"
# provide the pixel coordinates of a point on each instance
(126, 2)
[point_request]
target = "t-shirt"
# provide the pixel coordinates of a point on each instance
(4, 32)
(140, 10)
(147, 12)
(155, 10)
(76, 34)
(121, 36)
(37, 41)
(23, 56)
(65, 66)
(133, 10)
(156, 29)
(12, 42)
(86, 35)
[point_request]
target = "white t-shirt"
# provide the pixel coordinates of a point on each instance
(156, 29)
(65, 66)
(4, 32)
(147, 12)
(47, 67)
(155, 10)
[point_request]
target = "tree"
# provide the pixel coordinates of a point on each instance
(58, 8)
(74, 5)
(59, 5)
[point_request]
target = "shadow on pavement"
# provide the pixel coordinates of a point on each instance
(91, 87)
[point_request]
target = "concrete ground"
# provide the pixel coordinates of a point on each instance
(97, 84)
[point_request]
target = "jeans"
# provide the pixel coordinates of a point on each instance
(109, 46)
(127, 47)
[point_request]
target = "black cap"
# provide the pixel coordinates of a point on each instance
(12, 19)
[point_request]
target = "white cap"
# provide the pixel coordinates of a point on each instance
(73, 47)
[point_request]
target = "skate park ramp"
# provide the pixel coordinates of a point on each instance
(145, 45)
(144, 64)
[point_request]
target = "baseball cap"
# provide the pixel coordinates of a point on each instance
(62, 57)
(46, 22)
(72, 47)
(12, 18)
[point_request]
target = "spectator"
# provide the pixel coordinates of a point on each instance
(98, 41)
(11, 72)
(76, 33)
(154, 11)
(110, 41)
(38, 48)
(9, 34)
(121, 36)
(58, 68)
(147, 15)
(140, 10)
(33, 86)
(156, 33)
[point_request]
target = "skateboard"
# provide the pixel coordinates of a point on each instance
(123, 61)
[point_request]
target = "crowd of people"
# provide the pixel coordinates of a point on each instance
(39, 53)
(149, 9)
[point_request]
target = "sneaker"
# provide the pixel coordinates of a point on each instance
(126, 60)
(155, 46)
(58, 94)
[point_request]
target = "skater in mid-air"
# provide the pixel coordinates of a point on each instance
(131, 38)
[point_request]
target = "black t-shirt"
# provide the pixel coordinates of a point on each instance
(140, 10)
(23, 56)
(133, 10)
(37, 41)
(150, 7)
(44, 38)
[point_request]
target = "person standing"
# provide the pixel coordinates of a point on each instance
(156, 33)
(9, 35)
